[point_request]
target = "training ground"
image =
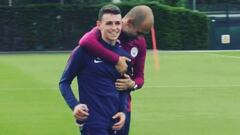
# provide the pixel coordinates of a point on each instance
(192, 93)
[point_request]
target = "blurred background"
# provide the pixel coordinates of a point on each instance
(195, 91)
(40, 25)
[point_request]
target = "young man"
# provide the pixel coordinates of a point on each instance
(137, 22)
(101, 108)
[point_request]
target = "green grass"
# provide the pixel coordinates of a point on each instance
(193, 93)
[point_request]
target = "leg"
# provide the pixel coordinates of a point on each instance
(94, 131)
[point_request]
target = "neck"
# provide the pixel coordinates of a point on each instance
(112, 43)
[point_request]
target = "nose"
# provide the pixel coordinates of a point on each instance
(115, 26)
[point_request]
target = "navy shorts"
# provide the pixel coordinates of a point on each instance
(96, 131)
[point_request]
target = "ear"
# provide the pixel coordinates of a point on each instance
(98, 23)
(130, 21)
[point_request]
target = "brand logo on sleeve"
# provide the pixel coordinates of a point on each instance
(98, 60)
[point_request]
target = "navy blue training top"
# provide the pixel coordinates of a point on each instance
(96, 85)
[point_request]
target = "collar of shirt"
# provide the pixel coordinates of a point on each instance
(109, 46)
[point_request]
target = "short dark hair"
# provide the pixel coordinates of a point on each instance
(110, 8)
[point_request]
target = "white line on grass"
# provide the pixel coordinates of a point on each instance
(193, 51)
(145, 86)
(190, 86)
(27, 89)
(149, 50)
(226, 56)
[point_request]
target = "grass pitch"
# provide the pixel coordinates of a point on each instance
(193, 93)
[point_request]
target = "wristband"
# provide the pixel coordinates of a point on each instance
(135, 86)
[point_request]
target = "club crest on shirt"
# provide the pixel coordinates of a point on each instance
(134, 52)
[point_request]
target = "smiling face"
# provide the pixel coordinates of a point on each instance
(110, 26)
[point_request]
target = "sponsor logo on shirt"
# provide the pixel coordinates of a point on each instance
(97, 60)
(134, 52)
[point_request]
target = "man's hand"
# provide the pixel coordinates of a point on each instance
(122, 117)
(80, 112)
(125, 83)
(121, 65)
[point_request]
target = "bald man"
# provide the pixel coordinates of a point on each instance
(135, 24)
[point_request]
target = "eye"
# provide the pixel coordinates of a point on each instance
(117, 23)
(109, 23)
(140, 33)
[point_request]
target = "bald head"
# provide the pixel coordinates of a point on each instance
(141, 16)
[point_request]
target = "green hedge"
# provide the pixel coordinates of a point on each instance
(57, 27)
(44, 27)
(179, 28)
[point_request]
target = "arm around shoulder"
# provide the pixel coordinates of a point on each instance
(91, 42)
(138, 75)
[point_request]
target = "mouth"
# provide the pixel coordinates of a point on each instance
(114, 34)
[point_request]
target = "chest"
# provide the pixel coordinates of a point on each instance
(133, 50)
(99, 68)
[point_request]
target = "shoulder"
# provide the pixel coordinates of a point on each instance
(77, 49)
(140, 42)
(87, 37)
(121, 51)
(79, 52)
